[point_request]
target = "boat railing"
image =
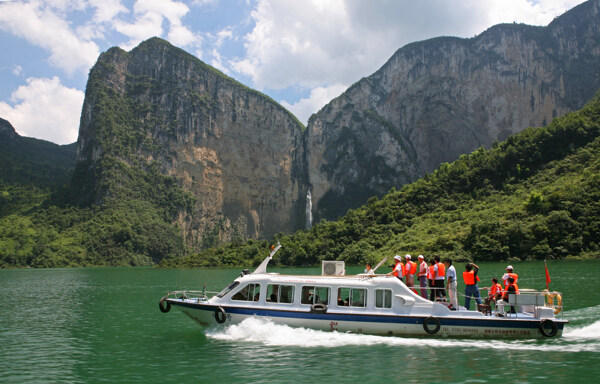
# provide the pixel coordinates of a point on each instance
(191, 296)
(532, 302)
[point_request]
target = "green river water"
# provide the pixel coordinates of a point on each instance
(103, 325)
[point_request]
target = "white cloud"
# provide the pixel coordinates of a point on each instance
(45, 109)
(17, 69)
(37, 23)
(318, 98)
(149, 18)
(313, 42)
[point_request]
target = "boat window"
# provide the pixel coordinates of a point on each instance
(354, 297)
(358, 297)
(383, 298)
(228, 289)
(250, 292)
(280, 293)
(314, 295)
(343, 298)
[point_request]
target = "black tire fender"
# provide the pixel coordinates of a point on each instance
(220, 315)
(548, 323)
(429, 321)
(164, 308)
(318, 308)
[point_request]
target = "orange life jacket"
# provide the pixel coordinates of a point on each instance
(496, 288)
(505, 296)
(430, 272)
(469, 277)
(411, 267)
(441, 270)
(396, 272)
(514, 276)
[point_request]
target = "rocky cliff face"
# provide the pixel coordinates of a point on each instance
(238, 152)
(438, 99)
(249, 163)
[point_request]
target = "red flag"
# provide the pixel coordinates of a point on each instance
(548, 280)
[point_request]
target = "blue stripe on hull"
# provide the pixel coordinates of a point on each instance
(377, 318)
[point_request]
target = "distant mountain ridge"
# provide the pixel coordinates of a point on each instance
(174, 156)
(437, 99)
(27, 161)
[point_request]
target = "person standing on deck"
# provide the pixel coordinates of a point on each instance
(422, 275)
(410, 269)
(471, 289)
(509, 273)
(430, 279)
(439, 276)
(451, 284)
(398, 268)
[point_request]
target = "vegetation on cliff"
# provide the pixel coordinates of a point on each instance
(534, 196)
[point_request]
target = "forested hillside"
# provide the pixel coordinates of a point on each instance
(534, 196)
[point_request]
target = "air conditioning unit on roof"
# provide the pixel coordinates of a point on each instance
(333, 268)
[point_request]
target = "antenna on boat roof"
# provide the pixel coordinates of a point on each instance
(379, 265)
(262, 268)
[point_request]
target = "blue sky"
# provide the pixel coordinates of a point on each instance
(302, 53)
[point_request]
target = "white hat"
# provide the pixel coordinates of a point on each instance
(509, 267)
(398, 257)
(407, 257)
(421, 257)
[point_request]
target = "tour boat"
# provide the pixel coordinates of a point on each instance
(370, 304)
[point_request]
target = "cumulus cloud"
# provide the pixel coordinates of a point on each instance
(314, 42)
(45, 109)
(40, 25)
(318, 98)
(149, 18)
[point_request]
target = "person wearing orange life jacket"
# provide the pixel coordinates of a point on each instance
(439, 276)
(495, 292)
(512, 288)
(398, 270)
(422, 275)
(471, 289)
(409, 269)
(509, 273)
(430, 279)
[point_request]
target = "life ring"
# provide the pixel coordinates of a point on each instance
(220, 315)
(550, 302)
(433, 320)
(163, 308)
(318, 308)
(548, 323)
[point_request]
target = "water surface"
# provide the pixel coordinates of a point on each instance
(103, 325)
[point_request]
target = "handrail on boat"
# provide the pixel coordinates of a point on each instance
(191, 296)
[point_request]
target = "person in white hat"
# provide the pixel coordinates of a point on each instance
(509, 273)
(398, 270)
(410, 270)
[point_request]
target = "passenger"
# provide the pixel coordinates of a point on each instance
(410, 269)
(422, 275)
(439, 276)
(398, 268)
(471, 289)
(430, 279)
(512, 288)
(495, 292)
(509, 273)
(451, 284)
(369, 270)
